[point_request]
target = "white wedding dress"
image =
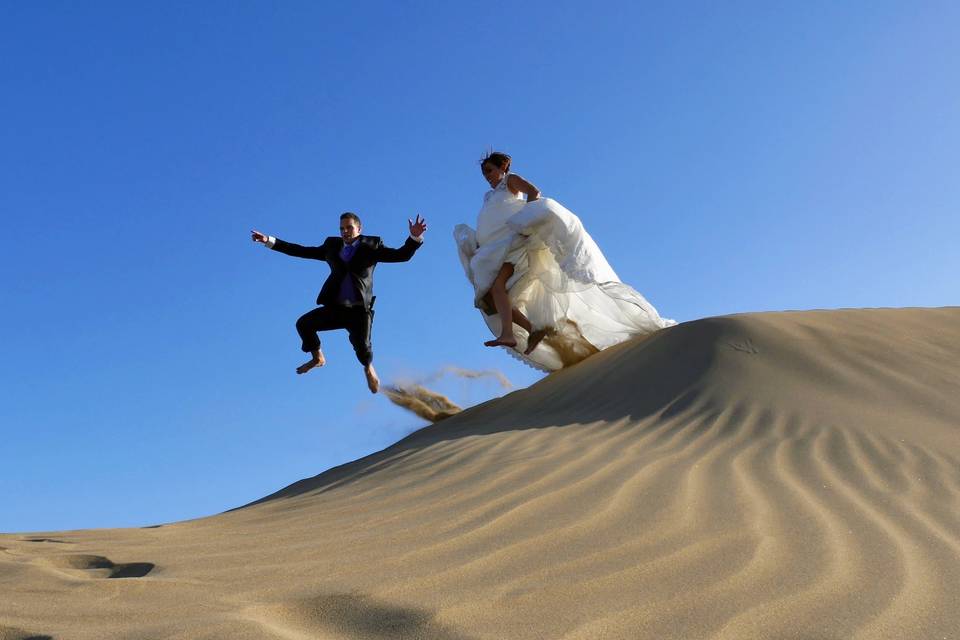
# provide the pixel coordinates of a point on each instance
(561, 282)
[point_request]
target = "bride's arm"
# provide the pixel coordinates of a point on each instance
(516, 184)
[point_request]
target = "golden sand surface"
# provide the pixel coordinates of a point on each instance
(757, 476)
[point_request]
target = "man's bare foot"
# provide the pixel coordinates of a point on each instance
(315, 361)
(502, 341)
(373, 382)
(534, 340)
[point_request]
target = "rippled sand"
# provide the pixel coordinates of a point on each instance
(781, 475)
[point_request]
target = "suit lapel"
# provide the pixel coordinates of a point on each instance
(336, 246)
(360, 247)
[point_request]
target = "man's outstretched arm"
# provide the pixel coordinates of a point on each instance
(404, 253)
(289, 248)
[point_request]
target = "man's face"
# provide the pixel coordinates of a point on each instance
(349, 229)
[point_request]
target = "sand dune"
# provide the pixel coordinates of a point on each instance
(780, 475)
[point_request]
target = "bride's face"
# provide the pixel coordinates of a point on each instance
(492, 173)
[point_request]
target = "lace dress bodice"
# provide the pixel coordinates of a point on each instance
(499, 205)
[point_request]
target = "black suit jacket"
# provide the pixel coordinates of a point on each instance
(360, 268)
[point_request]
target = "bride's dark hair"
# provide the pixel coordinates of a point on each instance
(498, 159)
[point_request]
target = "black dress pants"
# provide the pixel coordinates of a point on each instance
(356, 320)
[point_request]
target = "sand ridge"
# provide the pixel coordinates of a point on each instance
(776, 475)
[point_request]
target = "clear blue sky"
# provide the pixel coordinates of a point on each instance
(727, 158)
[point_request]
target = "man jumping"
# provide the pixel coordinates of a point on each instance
(346, 298)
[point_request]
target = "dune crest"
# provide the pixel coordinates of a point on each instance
(775, 475)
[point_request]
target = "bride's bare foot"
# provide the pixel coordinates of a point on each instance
(502, 341)
(373, 382)
(316, 361)
(534, 340)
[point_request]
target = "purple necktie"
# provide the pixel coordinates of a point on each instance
(348, 293)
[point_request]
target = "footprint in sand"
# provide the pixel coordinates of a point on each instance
(45, 540)
(100, 567)
(744, 346)
(12, 633)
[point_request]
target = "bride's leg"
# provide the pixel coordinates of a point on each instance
(504, 309)
(520, 319)
(536, 337)
(533, 337)
(517, 315)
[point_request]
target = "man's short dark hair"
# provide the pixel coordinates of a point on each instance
(349, 215)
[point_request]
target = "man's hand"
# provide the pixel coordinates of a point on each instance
(258, 237)
(417, 228)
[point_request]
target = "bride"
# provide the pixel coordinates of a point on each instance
(532, 264)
